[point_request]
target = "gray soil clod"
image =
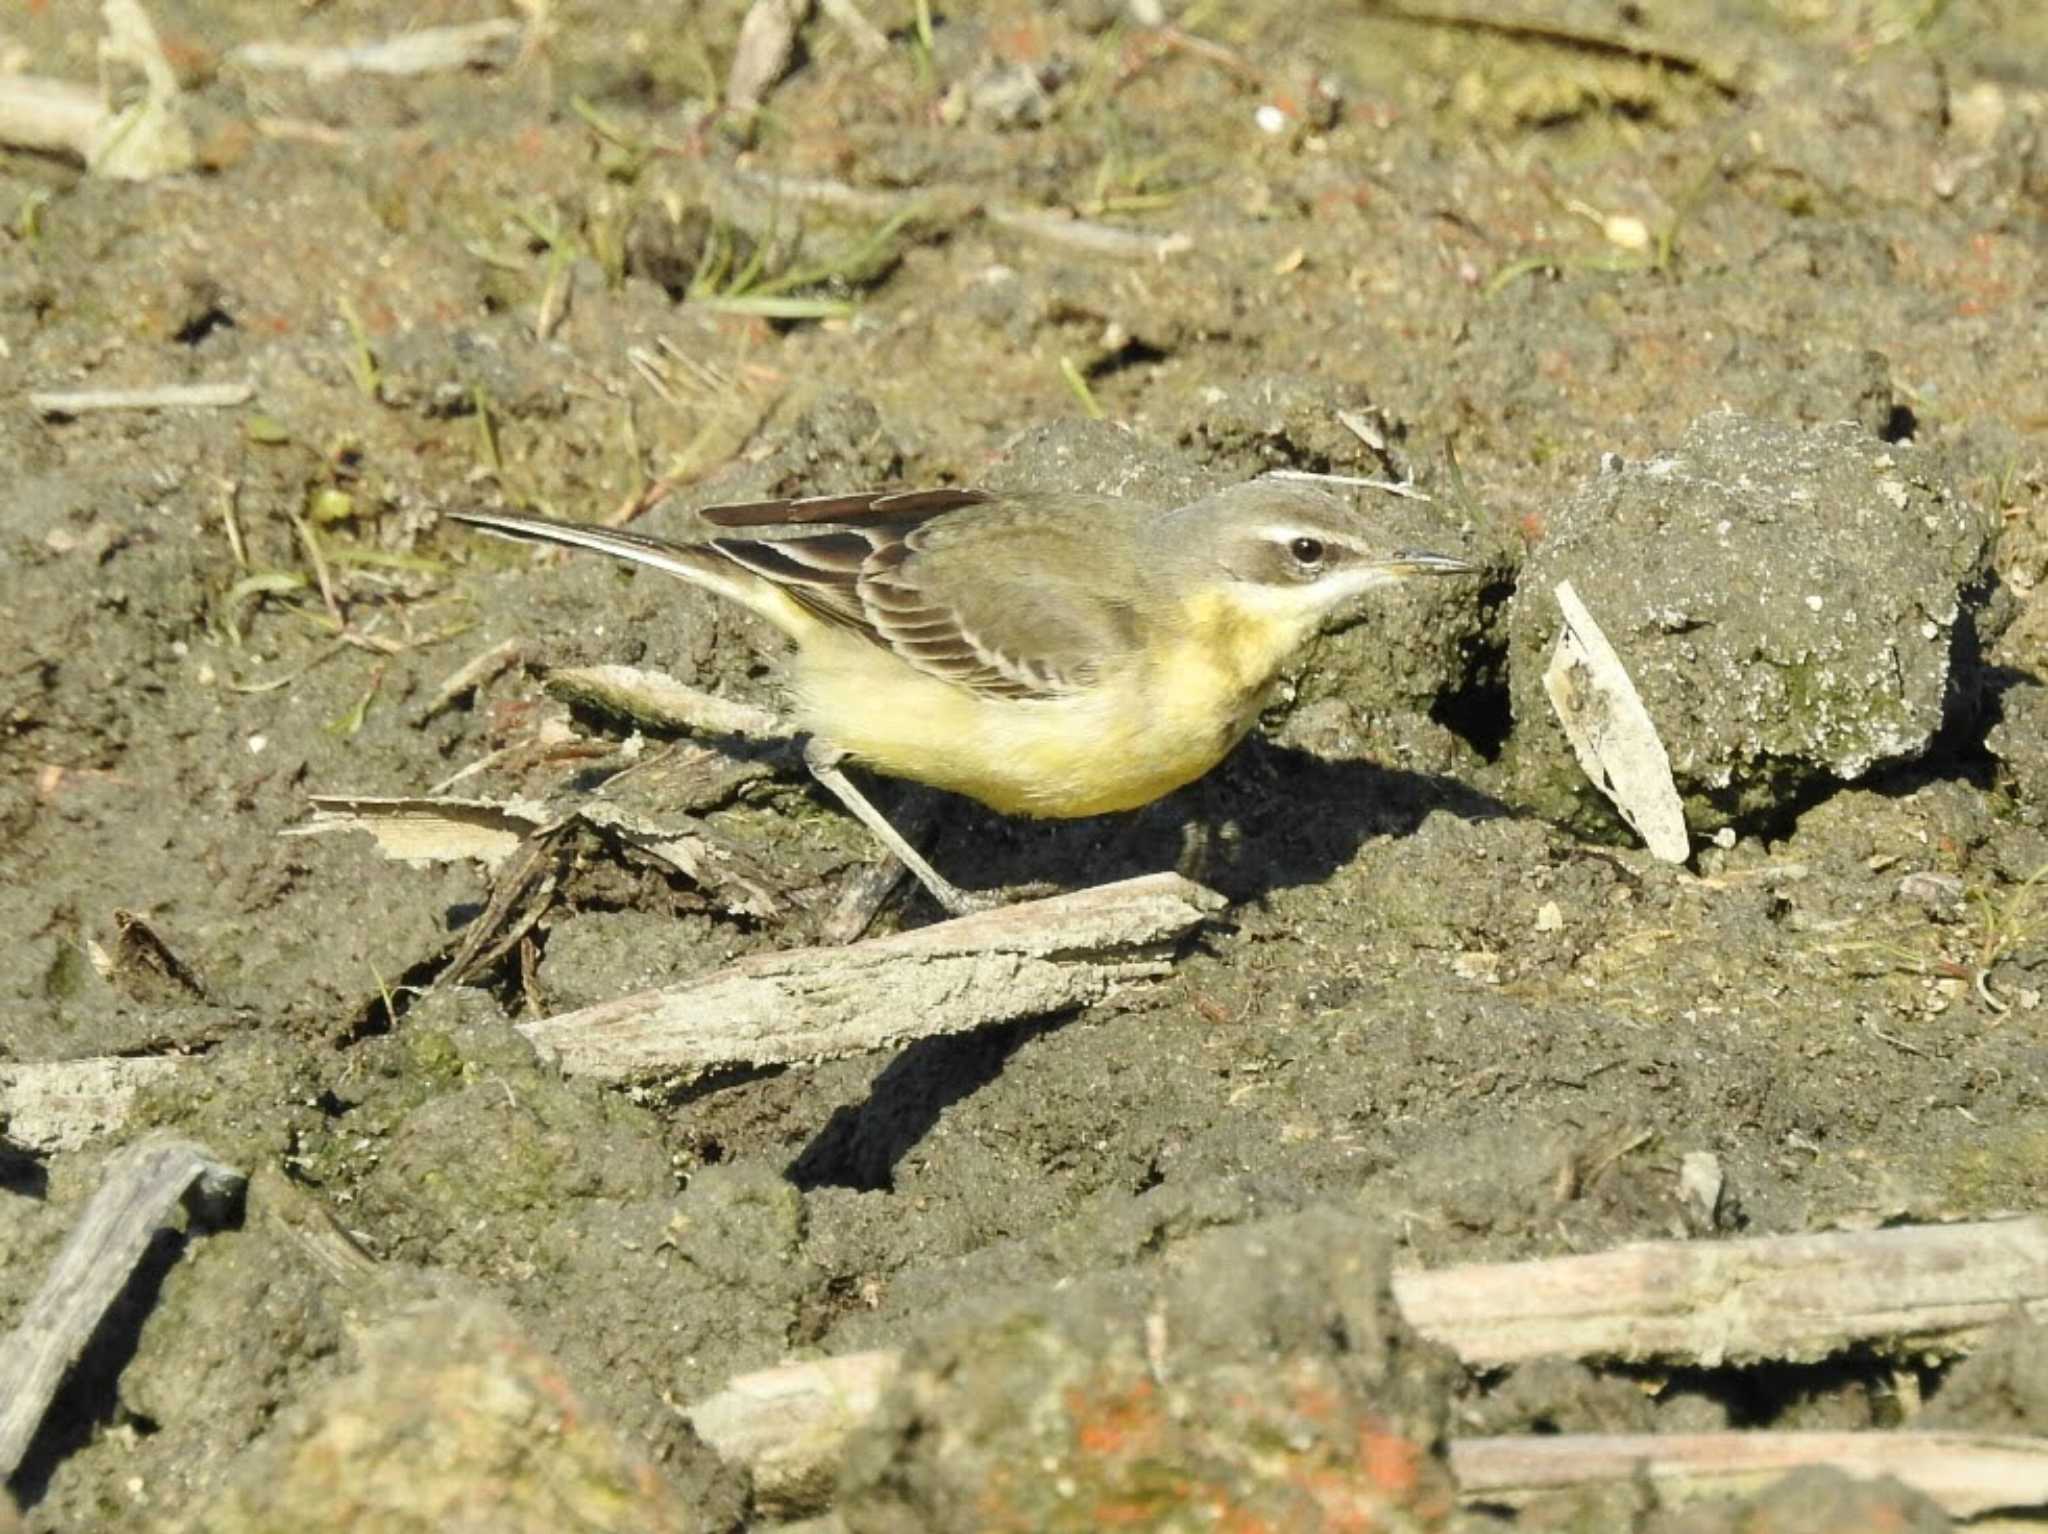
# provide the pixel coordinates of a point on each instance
(1794, 606)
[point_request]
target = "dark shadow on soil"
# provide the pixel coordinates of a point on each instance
(22, 1173)
(861, 1144)
(1272, 817)
(90, 1396)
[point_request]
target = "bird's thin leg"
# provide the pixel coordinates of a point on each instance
(824, 760)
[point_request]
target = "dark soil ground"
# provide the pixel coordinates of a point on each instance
(1510, 237)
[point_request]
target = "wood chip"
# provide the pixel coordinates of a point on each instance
(811, 1004)
(1611, 732)
(142, 1186)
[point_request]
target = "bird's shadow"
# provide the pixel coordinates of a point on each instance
(1275, 817)
(1272, 817)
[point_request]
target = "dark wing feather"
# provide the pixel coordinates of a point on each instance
(905, 507)
(820, 569)
(1015, 602)
(816, 547)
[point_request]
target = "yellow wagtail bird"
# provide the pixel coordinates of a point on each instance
(1049, 655)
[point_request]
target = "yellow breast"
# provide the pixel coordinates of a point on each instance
(1145, 729)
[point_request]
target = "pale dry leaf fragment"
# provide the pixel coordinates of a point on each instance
(1362, 426)
(1611, 732)
(418, 829)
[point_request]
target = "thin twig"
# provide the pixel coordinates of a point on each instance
(430, 50)
(204, 396)
(320, 576)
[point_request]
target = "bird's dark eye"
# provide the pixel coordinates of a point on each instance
(1307, 552)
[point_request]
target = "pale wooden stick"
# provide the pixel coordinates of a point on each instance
(1966, 1473)
(1713, 1302)
(813, 1004)
(657, 701)
(429, 50)
(142, 1186)
(200, 396)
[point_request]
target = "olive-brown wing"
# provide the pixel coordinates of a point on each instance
(1031, 599)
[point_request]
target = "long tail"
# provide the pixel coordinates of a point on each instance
(695, 563)
(676, 558)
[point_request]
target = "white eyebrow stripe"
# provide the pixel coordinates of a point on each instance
(1287, 532)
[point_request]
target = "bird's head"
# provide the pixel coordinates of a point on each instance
(1285, 555)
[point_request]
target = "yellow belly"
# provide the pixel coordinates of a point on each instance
(1131, 739)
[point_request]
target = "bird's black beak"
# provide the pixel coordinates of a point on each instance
(1406, 562)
